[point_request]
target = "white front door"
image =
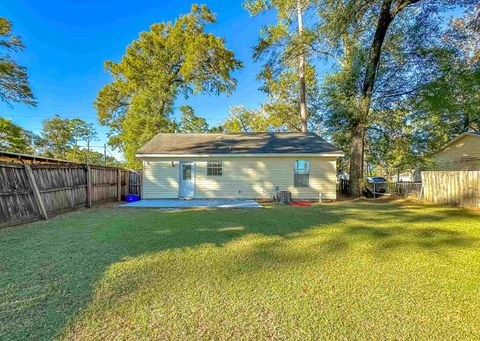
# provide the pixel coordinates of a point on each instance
(187, 179)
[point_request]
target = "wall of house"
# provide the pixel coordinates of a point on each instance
(246, 177)
(464, 154)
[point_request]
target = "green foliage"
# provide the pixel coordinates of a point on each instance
(14, 85)
(56, 137)
(189, 123)
(216, 129)
(390, 143)
(283, 99)
(340, 105)
(279, 47)
(449, 103)
(171, 59)
(81, 131)
(243, 120)
(397, 132)
(83, 155)
(60, 138)
(14, 138)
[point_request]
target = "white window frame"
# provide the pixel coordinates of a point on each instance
(301, 171)
(216, 168)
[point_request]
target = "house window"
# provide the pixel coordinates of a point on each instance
(214, 168)
(301, 171)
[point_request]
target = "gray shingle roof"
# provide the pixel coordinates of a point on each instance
(242, 143)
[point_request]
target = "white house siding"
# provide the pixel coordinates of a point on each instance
(463, 154)
(243, 177)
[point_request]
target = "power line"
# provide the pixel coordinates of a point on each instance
(16, 118)
(45, 116)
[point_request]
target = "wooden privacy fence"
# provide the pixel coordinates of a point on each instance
(460, 188)
(17, 199)
(32, 192)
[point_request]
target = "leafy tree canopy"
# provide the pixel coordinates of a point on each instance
(60, 136)
(243, 120)
(171, 59)
(14, 138)
(14, 86)
(449, 104)
(385, 54)
(189, 123)
(85, 156)
(280, 46)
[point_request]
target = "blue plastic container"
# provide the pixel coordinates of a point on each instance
(132, 198)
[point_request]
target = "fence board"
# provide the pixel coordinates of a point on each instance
(60, 188)
(17, 204)
(407, 188)
(36, 192)
(459, 188)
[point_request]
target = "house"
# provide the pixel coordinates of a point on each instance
(411, 175)
(462, 153)
(243, 166)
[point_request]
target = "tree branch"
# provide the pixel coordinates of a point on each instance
(401, 6)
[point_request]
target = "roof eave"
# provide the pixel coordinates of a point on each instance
(160, 155)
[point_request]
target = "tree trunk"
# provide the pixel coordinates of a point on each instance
(384, 20)
(358, 128)
(301, 71)
(356, 159)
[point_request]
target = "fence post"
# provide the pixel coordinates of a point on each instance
(36, 192)
(127, 183)
(89, 186)
(119, 184)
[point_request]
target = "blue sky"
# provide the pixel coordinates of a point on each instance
(67, 43)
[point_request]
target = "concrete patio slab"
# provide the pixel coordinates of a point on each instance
(193, 203)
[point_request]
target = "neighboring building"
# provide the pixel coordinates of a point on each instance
(462, 153)
(413, 175)
(249, 165)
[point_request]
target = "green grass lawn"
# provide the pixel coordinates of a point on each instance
(344, 270)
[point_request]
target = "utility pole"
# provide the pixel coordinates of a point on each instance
(105, 154)
(75, 147)
(88, 151)
(301, 73)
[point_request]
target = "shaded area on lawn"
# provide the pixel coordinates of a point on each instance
(50, 270)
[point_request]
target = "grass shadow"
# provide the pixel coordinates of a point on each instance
(49, 270)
